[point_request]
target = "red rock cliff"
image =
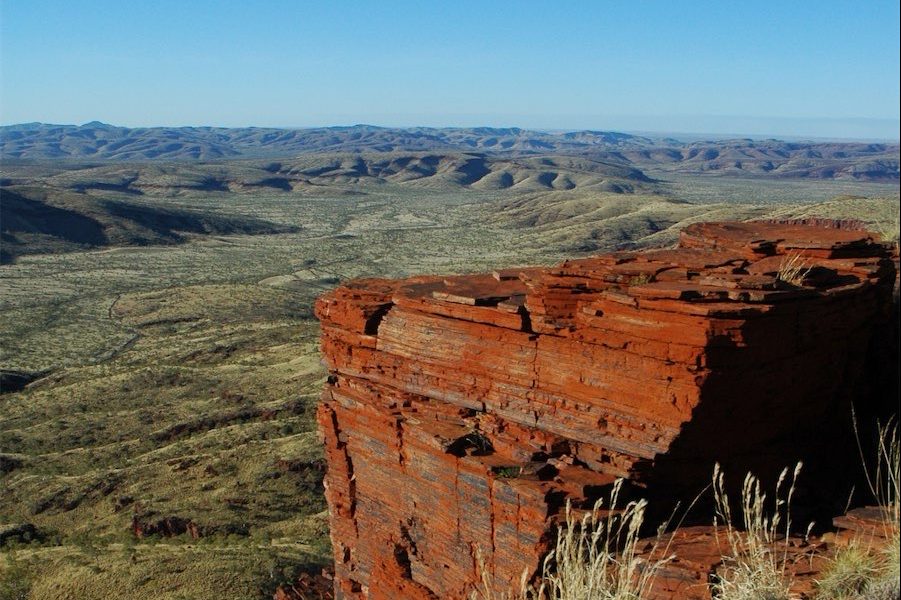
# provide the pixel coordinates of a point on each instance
(463, 412)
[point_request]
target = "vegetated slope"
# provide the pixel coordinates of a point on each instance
(97, 140)
(769, 158)
(479, 171)
(51, 208)
(207, 419)
(578, 222)
(174, 386)
(589, 222)
(37, 220)
(759, 158)
(339, 173)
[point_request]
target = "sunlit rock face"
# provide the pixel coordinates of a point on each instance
(462, 413)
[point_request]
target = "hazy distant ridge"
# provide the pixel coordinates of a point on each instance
(769, 158)
(99, 140)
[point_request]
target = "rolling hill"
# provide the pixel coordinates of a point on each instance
(97, 141)
(313, 172)
(62, 208)
(37, 220)
(159, 363)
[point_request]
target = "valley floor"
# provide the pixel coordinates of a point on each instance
(179, 381)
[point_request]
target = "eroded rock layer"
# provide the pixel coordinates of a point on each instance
(462, 413)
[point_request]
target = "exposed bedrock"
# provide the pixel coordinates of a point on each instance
(462, 413)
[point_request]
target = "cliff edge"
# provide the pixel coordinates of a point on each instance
(462, 413)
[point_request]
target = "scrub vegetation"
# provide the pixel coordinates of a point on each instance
(160, 362)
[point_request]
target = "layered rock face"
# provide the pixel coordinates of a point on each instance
(462, 413)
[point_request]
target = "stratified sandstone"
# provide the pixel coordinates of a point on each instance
(461, 413)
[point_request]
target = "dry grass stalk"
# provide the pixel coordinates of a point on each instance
(753, 567)
(884, 479)
(793, 269)
(860, 571)
(596, 557)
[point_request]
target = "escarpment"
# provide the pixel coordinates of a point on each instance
(462, 413)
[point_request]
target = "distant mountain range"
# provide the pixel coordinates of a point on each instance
(99, 142)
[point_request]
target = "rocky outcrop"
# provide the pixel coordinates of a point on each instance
(307, 586)
(461, 413)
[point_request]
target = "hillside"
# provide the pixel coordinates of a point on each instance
(770, 159)
(756, 158)
(313, 173)
(159, 357)
(170, 387)
(37, 220)
(580, 202)
(54, 208)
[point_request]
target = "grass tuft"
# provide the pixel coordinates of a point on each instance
(753, 567)
(793, 269)
(890, 452)
(859, 571)
(850, 573)
(884, 480)
(596, 557)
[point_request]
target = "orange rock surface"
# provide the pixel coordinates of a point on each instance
(461, 413)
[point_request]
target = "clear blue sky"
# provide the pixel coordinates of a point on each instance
(815, 68)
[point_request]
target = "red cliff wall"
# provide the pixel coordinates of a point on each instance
(461, 413)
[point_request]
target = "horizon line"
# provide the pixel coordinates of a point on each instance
(660, 133)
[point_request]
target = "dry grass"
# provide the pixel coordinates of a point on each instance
(754, 568)
(596, 557)
(158, 571)
(889, 473)
(888, 230)
(15, 579)
(849, 574)
(861, 571)
(884, 478)
(793, 269)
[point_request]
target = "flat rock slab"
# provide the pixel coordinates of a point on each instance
(768, 238)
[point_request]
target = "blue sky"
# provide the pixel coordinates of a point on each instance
(790, 68)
